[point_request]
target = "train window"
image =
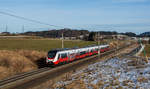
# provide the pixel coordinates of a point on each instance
(87, 51)
(83, 52)
(64, 55)
(58, 56)
(80, 53)
(52, 54)
(96, 49)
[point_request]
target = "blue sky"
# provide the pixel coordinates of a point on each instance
(94, 15)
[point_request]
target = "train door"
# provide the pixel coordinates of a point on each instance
(78, 54)
(87, 52)
(72, 56)
(59, 58)
(97, 50)
(64, 57)
(102, 50)
(91, 52)
(82, 54)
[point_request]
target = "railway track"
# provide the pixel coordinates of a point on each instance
(32, 78)
(21, 76)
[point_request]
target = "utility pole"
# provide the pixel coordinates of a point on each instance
(117, 45)
(62, 40)
(98, 45)
(6, 28)
(23, 29)
(144, 51)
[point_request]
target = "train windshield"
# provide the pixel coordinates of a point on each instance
(52, 54)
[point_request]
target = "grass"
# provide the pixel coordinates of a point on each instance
(147, 49)
(43, 44)
(14, 62)
(40, 45)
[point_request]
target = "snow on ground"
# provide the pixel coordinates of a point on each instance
(140, 51)
(111, 74)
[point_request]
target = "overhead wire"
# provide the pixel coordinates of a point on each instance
(27, 19)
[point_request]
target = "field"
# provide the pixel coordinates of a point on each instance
(39, 44)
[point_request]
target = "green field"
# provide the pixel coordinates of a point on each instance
(38, 44)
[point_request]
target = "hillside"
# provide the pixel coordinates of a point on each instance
(145, 34)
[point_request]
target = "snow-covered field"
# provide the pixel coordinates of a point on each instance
(127, 73)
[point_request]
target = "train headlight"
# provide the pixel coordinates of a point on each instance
(48, 60)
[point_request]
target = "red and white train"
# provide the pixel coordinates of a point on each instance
(66, 55)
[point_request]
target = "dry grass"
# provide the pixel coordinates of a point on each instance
(32, 55)
(77, 84)
(142, 80)
(14, 62)
(147, 50)
(137, 62)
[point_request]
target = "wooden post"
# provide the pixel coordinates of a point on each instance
(98, 45)
(62, 40)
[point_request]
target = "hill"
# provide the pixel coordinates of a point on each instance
(145, 34)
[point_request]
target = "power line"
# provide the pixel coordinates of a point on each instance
(27, 19)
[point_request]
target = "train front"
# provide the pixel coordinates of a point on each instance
(51, 57)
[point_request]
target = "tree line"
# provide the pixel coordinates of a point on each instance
(87, 35)
(58, 33)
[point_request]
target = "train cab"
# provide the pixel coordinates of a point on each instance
(57, 56)
(51, 56)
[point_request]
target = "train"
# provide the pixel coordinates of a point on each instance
(60, 56)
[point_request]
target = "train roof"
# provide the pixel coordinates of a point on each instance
(68, 49)
(60, 49)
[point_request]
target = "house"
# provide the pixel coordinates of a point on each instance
(5, 33)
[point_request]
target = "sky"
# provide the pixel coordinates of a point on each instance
(93, 15)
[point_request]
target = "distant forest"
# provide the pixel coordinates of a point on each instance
(72, 33)
(58, 33)
(75, 33)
